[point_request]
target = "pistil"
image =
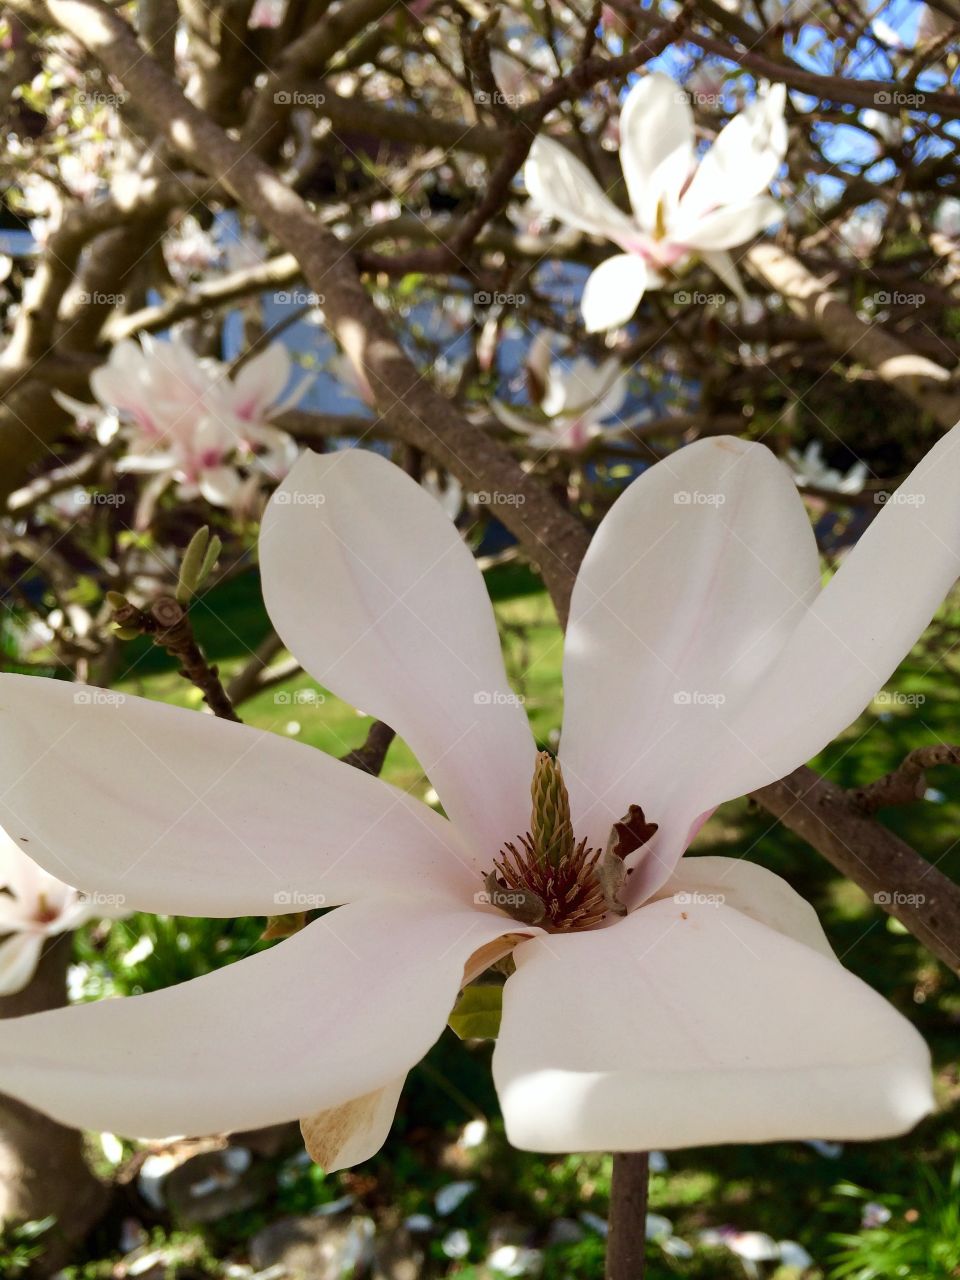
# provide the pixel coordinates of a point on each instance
(547, 877)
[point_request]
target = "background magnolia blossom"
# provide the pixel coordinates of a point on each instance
(579, 400)
(34, 907)
(680, 206)
(186, 420)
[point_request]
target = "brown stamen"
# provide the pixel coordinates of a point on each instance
(546, 878)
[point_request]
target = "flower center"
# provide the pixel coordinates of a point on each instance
(549, 878)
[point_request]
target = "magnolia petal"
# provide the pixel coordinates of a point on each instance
(732, 1033)
(221, 486)
(726, 228)
(180, 813)
(721, 263)
(353, 1132)
(259, 382)
(512, 419)
(853, 637)
(613, 292)
(562, 186)
(19, 957)
(744, 159)
(750, 889)
(690, 587)
(19, 874)
(339, 1010)
(395, 618)
(656, 145)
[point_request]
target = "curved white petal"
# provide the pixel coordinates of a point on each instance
(715, 1029)
(335, 1012)
(613, 292)
(371, 586)
(185, 814)
(691, 586)
(353, 1132)
(750, 889)
(656, 145)
(19, 957)
(743, 160)
(728, 227)
(562, 186)
(855, 634)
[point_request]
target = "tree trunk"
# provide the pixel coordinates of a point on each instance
(42, 1166)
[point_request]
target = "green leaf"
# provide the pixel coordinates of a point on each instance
(476, 1015)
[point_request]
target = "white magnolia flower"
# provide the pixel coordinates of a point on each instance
(186, 421)
(34, 906)
(809, 468)
(703, 660)
(679, 207)
(579, 400)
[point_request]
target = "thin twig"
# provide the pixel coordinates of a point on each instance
(908, 782)
(168, 625)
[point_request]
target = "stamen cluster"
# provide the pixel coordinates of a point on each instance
(545, 877)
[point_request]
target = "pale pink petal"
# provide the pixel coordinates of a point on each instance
(690, 1025)
(613, 292)
(656, 145)
(339, 1010)
(371, 586)
(185, 814)
(562, 186)
(259, 382)
(692, 584)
